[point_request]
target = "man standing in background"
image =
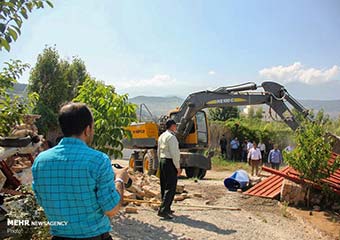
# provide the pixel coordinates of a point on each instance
(235, 144)
(169, 156)
(262, 148)
(275, 157)
(255, 158)
(223, 145)
(244, 151)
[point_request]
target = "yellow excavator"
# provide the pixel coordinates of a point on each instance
(193, 128)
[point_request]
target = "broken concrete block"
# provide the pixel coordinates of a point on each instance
(198, 195)
(131, 210)
(185, 195)
(129, 195)
(150, 192)
(292, 193)
(137, 190)
(179, 198)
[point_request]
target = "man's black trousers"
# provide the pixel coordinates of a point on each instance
(168, 177)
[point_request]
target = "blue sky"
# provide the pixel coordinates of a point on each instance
(166, 48)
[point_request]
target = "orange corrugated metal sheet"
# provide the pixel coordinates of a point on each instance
(271, 187)
(268, 188)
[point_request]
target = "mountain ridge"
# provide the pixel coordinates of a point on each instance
(161, 105)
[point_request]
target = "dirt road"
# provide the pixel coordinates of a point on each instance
(258, 219)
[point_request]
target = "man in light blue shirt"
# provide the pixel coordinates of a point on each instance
(75, 183)
(275, 157)
(235, 144)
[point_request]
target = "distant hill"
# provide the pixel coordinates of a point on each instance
(19, 89)
(161, 105)
(331, 107)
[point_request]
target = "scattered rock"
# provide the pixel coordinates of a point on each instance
(129, 195)
(131, 210)
(198, 195)
(179, 198)
(137, 190)
(239, 190)
(150, 192)
(180, 188)
(185, 195)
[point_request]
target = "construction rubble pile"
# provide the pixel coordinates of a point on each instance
(145, 191)
(16, 162)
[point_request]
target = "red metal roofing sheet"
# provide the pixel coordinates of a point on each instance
(271, 186)
(268, 188)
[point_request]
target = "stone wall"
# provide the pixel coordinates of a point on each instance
(292, 193)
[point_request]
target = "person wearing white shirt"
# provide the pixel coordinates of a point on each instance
(254, 158)
(249, 145)
(262, 148)
(169, 162)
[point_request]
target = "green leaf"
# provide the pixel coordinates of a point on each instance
(13, 33)
(49, 3)
(23, 12)
(17, 29)
(4, 43)
(18, 21)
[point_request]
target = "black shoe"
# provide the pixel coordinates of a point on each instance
(165, 216)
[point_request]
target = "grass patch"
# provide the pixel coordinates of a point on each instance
(220, 164)
(284, 209)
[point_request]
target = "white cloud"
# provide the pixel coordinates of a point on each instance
(299, 73)
(211, 72)
(160, 80)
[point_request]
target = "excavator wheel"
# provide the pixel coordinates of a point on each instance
(194, 172)
(147, 165)
(135, 164)
(201, 173)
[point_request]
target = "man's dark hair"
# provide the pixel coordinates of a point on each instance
(169, 123)
(74, 118)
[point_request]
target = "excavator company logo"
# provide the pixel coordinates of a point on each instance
(226, 100)
(139, 131)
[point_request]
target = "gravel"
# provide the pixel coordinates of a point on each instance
(258, 219)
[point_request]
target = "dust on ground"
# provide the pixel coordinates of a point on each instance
(258, 218)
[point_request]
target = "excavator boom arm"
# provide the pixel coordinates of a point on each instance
(274, 95)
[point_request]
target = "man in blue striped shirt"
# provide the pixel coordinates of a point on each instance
(75, 183)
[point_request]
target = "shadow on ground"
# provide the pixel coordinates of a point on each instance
(130, 228)
(183, 219)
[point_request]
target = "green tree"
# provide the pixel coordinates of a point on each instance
(12, 15)
(223, 113)
(12, 108)
(111, 111)
(75, 73)
(47, 79)
(312, 153)
(56, 81)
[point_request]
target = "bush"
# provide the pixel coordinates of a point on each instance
(312, 153)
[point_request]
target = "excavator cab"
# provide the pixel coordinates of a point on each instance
(198, 137)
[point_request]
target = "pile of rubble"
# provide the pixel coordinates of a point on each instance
(145, 190)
